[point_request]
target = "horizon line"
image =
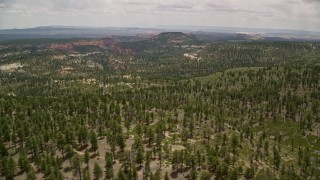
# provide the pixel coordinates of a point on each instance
(184, 27)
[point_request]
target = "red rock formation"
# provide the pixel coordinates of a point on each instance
(62, 47)
(107, 42)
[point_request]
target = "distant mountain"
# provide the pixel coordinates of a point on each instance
(205, 33)
(220, 29)
(253, 37)
(174, 38)
(59, 32)
(229, 33)
(165, 43)
(209, 37)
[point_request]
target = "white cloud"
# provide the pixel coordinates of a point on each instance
(285, 14)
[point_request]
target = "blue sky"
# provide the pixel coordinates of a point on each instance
(277, 14)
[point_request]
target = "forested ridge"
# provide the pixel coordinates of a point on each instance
(233, 110)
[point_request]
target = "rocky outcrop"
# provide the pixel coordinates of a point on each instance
(101, 43)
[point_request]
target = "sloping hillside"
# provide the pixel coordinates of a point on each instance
(166, 43)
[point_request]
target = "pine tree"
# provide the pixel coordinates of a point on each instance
(23, 162)
(86, 157)
(31, 175)
(109, 165)
(76, 165)
(205, 175)
(8, 166)
(147, 169)
(93, 140)
(86, 175)
(97, 171)
(166, 177)
(276, 158)
(3, 150)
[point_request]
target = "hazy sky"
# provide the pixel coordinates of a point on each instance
(281, 14)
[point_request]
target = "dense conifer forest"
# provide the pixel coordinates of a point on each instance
(158, 109)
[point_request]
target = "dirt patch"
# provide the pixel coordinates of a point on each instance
(95, 65)
(177, 147)
(59, 57)
(89, 81)
(191, 56)
(10, 67)
(66, 70)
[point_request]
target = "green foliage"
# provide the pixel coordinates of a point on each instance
(75, 164)
(234, 110)
(97, 171)
(31, 175)
(8, 166)
(86, 157)
(86, 175)
(205, 175)
(276, 158)
(249, 173)
(23, 162)
(3, 150)
(93, 141)
(109, 165)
